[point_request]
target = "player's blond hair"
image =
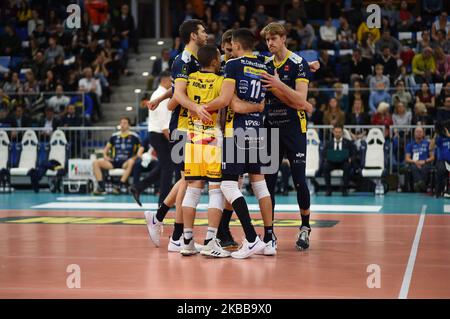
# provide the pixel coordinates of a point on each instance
(273, 28)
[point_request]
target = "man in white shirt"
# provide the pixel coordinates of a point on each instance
(158, 127)
(91, 86)
(59, 101)
(328, 35)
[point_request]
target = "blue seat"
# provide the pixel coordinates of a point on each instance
(22, 33)
(5, 61)
(309, 55)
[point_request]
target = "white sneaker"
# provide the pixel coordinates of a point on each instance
(303, 238)
(247, 249)
(213, 249)
(154, 227)
(270, 249)
(177, 245)
(189, 249)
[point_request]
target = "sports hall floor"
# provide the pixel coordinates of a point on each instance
(406, 235)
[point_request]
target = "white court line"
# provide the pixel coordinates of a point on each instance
(412, 256)
(252, 207)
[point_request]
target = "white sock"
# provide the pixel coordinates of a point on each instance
(211, 233)
(188, 233)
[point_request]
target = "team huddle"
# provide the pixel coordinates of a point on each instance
(229, 114)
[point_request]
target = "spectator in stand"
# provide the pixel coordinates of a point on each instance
(40, 66)
(431, 8)
(10, 43)
(50, 123)
(346, 35)
(367, 46)
(49, 83)
(420, 157)
(296, 12)
(357, 116)
(377, 96)
(243, 17)
(306, 33)
(401, 115)
(71, 82)
(12, 83)
(359, 66)
(379, 77)
(425, 41)
(92, 87)
(18, 119)
(442, 65)
(292, 38)
(5, 107)
(445, 92)
(63, 38)
(424, 95)
(328, 35)
(98, 12)
(443, 113)
(405, 19)
(388, 41)
(382, 117)
(90, 54)
(424, 66)
(102, 74)
(389, 12)
(341, 98)
(440, 24)
(41, 35)
(31, 84)
(359, 93)
(363, 28)
(333, 115)
(53, 50)
(59, 101)
(224, 17)
(389, 63)
(401, 95)
(320, 96)
(420, 116)
(260, 16)
(59, 69)
(33, 22)
(316, 116)
(407, 78)
(326, 73)
(446, 43)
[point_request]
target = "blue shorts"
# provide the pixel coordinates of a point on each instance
(118, 163)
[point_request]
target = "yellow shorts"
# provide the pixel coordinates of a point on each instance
(203, 162)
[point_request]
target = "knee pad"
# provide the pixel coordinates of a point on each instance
(216, 199)
(260, 189)
(192, 197)
(230, 190)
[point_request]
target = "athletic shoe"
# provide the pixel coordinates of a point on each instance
(303, 238)
(177, 245)
(270, 249)
(154, 227)
(247, 249)
(227, 241)
(214, 249)
(136, 195)
(116, 190)
(99, 191)
(189, 249)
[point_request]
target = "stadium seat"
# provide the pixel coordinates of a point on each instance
(313, 158)
(4, 61)
(28, 155)
(4, 150)
(374, 158)
(58, 150)
(309, 55)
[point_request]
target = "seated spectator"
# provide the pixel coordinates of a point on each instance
(424, 95)
(357, 116)
(406, 57)
(41, 35)
(442, 143)
(59, 101)
(401, 115)
(320, 96)
(333, 115)
(346, 35)
(389, 63)
(442, 65)
(441, 23)
(424, 66)
(341, 98)
(18, 119)
(441, 39)
(359, 93)
(125, 25)
(377, 96)
(71, 82)
(10, 43)
(161, 64)
(328, 35)
(70, 117)
(446, 43)
(316, 117)
(379, 77)
(425, 41)
(53, 50)
(363, 28)
(421, 116)
(401, 95)
(40, 66)
(389, 12)
(50, 123)
(388, 41)
(224, 17)
(359, 66)
(12, 83)
(382, 117)
(445, 92)
(296, 12)
(306, 33)
(92, 87)
(31, 84)
(260, 16)
(5, 107)
(124, 145)
(405, 18)
(443, 113)
(33, 22)
(90, 53)
(367, 46)
(49, 83)
(337, 154)
(420, 157)
(407, 78)
(243, 17)
(326, 73)
(292, 38)
(102, 74)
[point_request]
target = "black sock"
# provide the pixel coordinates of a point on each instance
(206, 241)
(241, 209)
(101, 184)
(177, 231)
(162, 212)
(305, 221)
(268, 231)
(226, 217)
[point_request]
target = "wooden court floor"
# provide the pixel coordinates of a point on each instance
(117, 260)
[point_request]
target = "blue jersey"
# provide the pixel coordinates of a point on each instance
(246, 73)
(443, 147)
(292, 70)
(418, 151)
(124, 146)
(184, 64)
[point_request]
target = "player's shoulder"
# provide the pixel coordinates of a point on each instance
(116, 134)
(296, 59)
(269, 59)
(233, 61)
(134, 134)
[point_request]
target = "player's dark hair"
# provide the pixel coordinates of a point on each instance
(206, 55)
(188, 27)
(245, 38)
(126, 118)
(165, 74)
(226, 36)
(338, 126)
